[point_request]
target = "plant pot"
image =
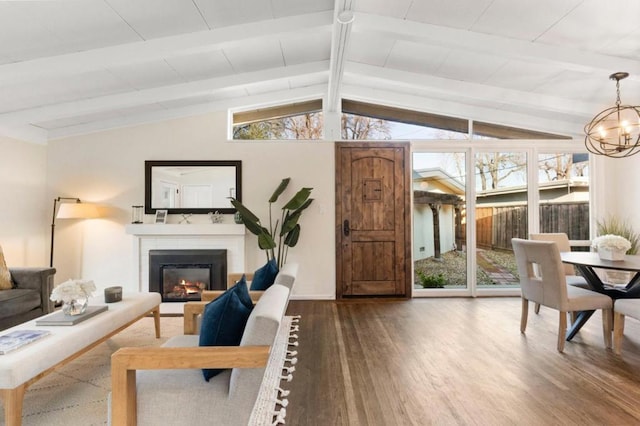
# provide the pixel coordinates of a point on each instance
(607, 254)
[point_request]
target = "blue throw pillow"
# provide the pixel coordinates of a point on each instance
(265, 276)
(224, 320)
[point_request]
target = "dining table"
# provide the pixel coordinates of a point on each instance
(586, 264)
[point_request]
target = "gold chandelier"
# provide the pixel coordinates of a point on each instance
(615, 132)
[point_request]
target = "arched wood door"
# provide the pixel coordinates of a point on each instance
(372, 219)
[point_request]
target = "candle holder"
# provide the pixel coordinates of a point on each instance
(136, 214)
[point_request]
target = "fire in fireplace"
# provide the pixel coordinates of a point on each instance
(182, 275)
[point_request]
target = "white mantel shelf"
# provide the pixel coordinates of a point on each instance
(185, 229)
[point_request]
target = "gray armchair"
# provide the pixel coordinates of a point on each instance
(29, 297)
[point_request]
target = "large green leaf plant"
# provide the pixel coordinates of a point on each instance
(289, 232)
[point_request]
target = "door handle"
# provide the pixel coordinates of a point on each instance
(345, 228)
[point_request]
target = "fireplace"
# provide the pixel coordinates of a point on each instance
(182, 275)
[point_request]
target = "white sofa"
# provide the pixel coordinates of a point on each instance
(170, 389)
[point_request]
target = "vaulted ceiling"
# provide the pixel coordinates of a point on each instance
(79, 66)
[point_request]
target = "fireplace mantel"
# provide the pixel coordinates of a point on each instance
(188, 229)
(183, 236)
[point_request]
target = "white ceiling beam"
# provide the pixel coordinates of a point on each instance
(160, 48)
(473, 91)
(461, 110)
(573, 59)
(293, 95)
(160, 94)
(26, 133)
(343, 21)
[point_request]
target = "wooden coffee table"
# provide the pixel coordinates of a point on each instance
(24, 366)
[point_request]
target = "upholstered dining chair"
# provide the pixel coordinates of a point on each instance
(546, 284)
(623, 308)
(562, 240)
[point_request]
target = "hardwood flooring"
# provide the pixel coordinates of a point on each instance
(456, 361)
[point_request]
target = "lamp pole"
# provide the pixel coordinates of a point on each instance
(53, 221)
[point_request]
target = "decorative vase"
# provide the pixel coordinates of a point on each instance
(75, 306)
(237, 218)
(608, 254)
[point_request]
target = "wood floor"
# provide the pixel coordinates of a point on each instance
(456, 362)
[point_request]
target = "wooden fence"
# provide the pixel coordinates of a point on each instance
(495, 226)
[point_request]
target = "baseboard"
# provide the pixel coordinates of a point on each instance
(312, 297)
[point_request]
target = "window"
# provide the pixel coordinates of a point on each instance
(563, 187)
(365, 121)
(468, 202)
(287, 122)
(378, 122)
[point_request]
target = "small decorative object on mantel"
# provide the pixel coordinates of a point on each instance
(74, 295)
(237, 218)
(611, 247)
(185, 218)
(215, 217)
(136, 214)
(161, 216)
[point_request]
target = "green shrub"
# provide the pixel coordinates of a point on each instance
(431, 280)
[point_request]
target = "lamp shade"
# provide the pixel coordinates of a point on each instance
(78, 211)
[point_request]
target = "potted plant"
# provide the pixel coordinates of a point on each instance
(286, 230)
(611, 247)
(613, 226)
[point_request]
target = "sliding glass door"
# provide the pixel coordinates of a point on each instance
(501, 214)
(469, 202)
(439, 222)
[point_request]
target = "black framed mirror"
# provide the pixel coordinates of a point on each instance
(197, 187)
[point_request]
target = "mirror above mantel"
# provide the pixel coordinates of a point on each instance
(197, 187)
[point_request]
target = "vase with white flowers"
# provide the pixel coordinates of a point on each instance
(74, 295)
(611, 247)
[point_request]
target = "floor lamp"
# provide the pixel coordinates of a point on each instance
(72, 209)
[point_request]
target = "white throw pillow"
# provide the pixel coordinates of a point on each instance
(5, 276)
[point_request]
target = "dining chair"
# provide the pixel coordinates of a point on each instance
(546, 284)
(622, 308)
(562, 240)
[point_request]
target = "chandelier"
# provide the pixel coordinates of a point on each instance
(615, 132)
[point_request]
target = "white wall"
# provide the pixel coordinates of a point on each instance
(620, 187)
(108, 168)
(423, 231)
(23, 211)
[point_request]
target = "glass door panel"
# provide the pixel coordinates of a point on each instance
(563, 189)
(501, 214)
(439, 221)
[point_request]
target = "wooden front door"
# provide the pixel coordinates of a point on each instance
(372, 219)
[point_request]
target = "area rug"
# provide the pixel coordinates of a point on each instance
(77, 394)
